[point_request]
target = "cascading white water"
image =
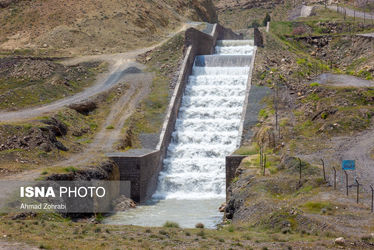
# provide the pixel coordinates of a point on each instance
(192, 184)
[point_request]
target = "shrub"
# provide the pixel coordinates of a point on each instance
(266, 19)
(70, 169)
(199, 225)
(171, 224)
(314, 84)
(162, 232)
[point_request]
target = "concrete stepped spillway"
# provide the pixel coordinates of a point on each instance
(191, 185)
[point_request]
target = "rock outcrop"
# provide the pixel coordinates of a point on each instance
(43, 138)
(123, 203)
(205, 10)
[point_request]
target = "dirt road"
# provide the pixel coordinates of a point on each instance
(351, 12)
(353, 147)
(118, 67)
(139, 87)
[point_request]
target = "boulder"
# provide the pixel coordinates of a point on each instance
(84, 107)
(57, 127)
(123, 203)
(340, 241)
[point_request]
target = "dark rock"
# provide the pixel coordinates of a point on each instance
(57, 127)
(45, 147)
(258, 39)
(24, 215)
(84, 108)
(60, 146)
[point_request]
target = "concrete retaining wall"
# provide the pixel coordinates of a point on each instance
(142, 169)
(233, 161)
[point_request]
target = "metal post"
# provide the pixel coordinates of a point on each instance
(372, 198)
(264, 164)
(276, 106)
(334, 178)
(358, 190)
(346, 181)
(299, 171)
(323, 167)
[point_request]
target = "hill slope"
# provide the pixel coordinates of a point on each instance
(87, 27)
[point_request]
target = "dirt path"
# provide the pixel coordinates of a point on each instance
(367, 35)
(140, 87)
(118, 64)
(341, 80)
(354, 147)
(351, 12)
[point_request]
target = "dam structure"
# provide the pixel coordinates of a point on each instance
(192, 183)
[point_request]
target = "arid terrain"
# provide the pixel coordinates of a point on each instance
(79, 79)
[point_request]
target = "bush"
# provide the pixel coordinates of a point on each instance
(171, 224)
(199, 225)
(70, 169)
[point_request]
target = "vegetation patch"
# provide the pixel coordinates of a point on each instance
(148, 118)
(31, 82)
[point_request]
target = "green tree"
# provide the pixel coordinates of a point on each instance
(266, 19)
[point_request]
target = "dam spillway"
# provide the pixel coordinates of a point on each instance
(191, 185)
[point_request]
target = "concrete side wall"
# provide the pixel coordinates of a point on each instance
(131, 172)
(232, 164)
(233, 161)
(143, 170)
(248, 89)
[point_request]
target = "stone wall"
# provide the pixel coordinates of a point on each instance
(142, 167)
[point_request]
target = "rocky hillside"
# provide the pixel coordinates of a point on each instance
(246, 4)
(92, 27)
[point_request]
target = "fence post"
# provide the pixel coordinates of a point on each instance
(372, 198)
(299, 172)
(323, 167)
(334, 178)
(346, 181)
(358, 190)
(264, 164)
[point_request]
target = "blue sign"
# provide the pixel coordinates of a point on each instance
(348, 165)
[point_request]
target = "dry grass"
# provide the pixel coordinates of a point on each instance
(86, 27)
